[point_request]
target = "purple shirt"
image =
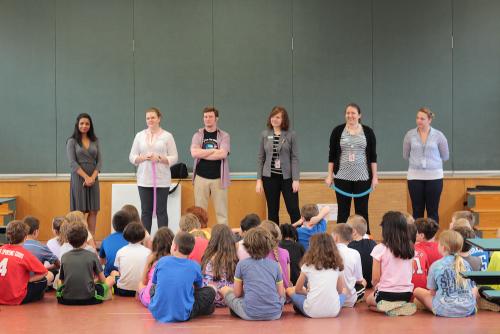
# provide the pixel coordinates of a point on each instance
(223, 141)
(284, 261)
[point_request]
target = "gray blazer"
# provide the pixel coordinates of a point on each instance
(288, 150)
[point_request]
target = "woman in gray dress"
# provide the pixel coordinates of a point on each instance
(84, 156)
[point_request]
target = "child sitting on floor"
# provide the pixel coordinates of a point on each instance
(289, 241)
(114, 242)
(420, 261)
(162, 242)
(78, 269)
(41, 251)
(248, 222)
(313, 221)
(362, 245)
(190, 223)
(55, 243)
(16, 265)
(277, 253)
(321, 268)
(426, 232)
(219, 261)
(449, 294)
(355, 284)
(130, 260)
(177, 293)
(258, 292)
(392, 268)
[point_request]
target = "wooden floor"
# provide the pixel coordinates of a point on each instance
(127, 315)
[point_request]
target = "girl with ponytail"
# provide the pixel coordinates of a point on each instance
(449, 294)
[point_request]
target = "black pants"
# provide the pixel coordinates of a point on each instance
(273, 187)
(203, 302)
(360, 203)
(35, 292)
(146, 195)
(425, 195)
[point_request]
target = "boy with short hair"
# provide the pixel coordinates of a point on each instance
(313, 221)
(131, 260)
(78, 268)
(355, 284)
(426, 233)
(363, 246)
(114, 242)
(16, 265)
(248, 222)
(177, 293)
(41, 251)
(420, 261)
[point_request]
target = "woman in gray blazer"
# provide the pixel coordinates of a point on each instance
(278, 166)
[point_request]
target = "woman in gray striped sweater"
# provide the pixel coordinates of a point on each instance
(426, 148)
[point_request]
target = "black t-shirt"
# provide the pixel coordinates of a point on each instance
(365, 247)
(209, 169)
(296, 252)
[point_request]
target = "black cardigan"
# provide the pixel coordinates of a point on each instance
(371, 147)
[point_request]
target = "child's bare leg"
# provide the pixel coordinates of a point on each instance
(50, 278)
(111, 279)
(290, 291)
(424, 296)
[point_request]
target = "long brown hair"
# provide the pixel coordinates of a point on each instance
(323, 253)
(162, 242)
(221, 252)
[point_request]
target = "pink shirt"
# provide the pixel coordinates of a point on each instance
(395, 273)
(200, 245)
(242, 252)
(284, 261)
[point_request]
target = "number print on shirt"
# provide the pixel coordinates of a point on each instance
(419, 266)
(3, 267)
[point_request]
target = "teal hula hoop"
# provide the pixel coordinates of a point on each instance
(340, 191)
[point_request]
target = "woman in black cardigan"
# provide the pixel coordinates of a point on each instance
(353, 163)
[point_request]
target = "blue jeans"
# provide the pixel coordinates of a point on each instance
(298, 301)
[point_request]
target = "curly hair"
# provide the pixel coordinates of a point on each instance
(221, 253)
(200, 213)
(258, 242)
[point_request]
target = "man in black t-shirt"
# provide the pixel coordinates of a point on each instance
(210, 148)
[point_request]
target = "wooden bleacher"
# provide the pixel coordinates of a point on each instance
(484, 201)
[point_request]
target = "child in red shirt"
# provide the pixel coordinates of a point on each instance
(420, 261)
(426, 232)
(16, 264)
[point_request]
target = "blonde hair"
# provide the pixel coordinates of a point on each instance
(409, 218)
(452, 243)
(428, 112)
(275, 233)
(63, 231)
(199, 234)
(358, 224)
(189, 222)
(462, 222)
(464, 214)
(76, 216)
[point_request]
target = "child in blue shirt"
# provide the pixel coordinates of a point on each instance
(258, 292)
(313, 221)
(177, 293)
(449, 294)
(112, 243)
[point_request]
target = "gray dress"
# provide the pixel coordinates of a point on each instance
(83, 198)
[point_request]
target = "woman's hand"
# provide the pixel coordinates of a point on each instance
(295, 186)
(374, 182)
(89, 181)
(329, 180)
(258, 187)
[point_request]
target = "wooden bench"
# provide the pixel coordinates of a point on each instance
(7, 209)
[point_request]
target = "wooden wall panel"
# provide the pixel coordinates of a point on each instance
(46, 199)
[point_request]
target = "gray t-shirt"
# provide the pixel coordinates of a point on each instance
(78, 268)
(474, 262)
(261, 299)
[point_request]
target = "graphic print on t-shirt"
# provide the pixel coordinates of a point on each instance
(209, 169)
(209, 143)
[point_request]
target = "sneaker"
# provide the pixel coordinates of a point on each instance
(485, 304)
(406, 309)
(386, 306)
